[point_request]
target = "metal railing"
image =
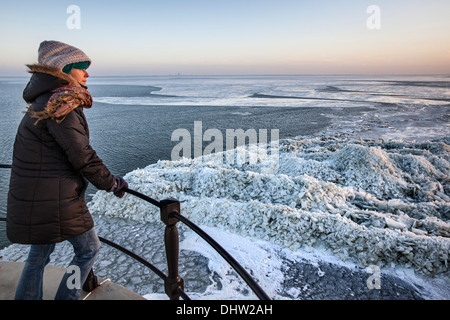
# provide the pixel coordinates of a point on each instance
(170, 216)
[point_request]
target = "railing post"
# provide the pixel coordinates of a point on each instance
(91, 282)
(171, 241)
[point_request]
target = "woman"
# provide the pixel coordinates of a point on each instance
(52, 165)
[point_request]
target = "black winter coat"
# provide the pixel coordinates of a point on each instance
(52, 164)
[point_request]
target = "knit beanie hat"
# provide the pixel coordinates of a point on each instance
(57, 54)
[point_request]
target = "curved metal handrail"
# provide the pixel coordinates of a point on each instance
(233, 263)
(136, 257)
(170, 216)
(236, 266)
(144, 262)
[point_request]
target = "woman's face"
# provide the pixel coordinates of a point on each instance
(80, 75)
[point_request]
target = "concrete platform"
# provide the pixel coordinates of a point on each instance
(10, 273)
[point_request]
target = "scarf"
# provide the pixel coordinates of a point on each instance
(62, 102)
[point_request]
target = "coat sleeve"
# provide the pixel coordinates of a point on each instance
(73, 138)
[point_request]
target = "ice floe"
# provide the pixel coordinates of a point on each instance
(367, 201)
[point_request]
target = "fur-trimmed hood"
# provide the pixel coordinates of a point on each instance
(41, 68)
(45, 79)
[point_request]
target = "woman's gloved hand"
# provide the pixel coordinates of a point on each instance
(119, 187)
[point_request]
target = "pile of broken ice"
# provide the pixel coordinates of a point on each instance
(372, 202)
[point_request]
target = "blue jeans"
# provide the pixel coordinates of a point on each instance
(30, 285)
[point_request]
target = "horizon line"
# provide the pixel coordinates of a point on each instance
(254, 75)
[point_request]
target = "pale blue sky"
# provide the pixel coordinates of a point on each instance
(159, 37)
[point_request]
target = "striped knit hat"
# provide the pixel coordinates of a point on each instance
(57, 54)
